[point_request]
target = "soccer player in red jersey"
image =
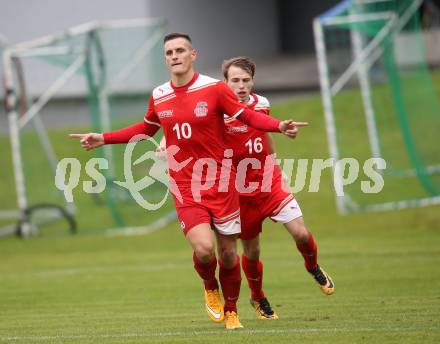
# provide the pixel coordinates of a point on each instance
(264, 201)
(189, 108)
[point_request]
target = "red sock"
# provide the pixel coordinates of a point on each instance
(207, 272)
(253, 269)
(230, 279)
(309, 251)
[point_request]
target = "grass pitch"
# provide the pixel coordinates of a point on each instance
(93, 288)
(97, 289)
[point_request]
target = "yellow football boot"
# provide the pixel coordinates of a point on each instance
(323, 279)
(232, 321)
(263, 309)
(214, 305)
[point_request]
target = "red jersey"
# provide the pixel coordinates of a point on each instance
(247, 142)
(191, 117)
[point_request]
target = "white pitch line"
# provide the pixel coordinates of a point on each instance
(215, 332)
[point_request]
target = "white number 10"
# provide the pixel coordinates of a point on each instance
(183, 131)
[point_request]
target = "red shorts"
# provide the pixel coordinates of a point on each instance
(278, 205)
(219, 209)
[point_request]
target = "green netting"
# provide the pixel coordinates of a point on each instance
(122, 63)
(404, 102)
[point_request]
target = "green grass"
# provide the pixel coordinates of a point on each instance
(95, 289)
(92, 288)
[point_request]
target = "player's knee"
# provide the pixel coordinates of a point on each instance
(302, 237)
(204, 251)
(228, 256)
(252, 253)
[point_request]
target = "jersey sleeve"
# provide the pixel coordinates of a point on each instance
(124, 135)
(151, 116)
(259, 121)
(228, 101)
(265, 111)
(149, 126)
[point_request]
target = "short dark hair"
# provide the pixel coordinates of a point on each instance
(243, 62)
(175, 35)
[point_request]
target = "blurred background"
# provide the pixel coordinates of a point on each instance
(364, 73)
(277, 34)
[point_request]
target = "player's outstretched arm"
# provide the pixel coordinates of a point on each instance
(266, 123)
(124, 135)
(90, 140)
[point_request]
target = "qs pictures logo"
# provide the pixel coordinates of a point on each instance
(69, 170)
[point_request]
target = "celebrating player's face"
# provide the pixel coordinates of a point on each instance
(179, 56)
(240, 82)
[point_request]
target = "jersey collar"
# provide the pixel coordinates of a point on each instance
(253, 100)
(187, 85)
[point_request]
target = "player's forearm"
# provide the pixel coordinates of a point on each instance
(259, 121)
(124, 135)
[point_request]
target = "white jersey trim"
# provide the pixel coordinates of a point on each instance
(162, 91)
(227, 217)
(237, 114)
(250, 100)
(150, 122)
(202, 82)
(288, 212)
(229, 227)
(164, 99)
(262, 102)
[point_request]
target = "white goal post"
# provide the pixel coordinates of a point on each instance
(343, 24)
(82, 54)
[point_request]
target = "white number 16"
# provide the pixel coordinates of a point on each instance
(255, 146)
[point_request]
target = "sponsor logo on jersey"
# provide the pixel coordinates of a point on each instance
(201, 109)
(166, 113)
(239, 129)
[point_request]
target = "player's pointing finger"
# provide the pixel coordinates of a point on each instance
(300, 124)
(77, 136)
